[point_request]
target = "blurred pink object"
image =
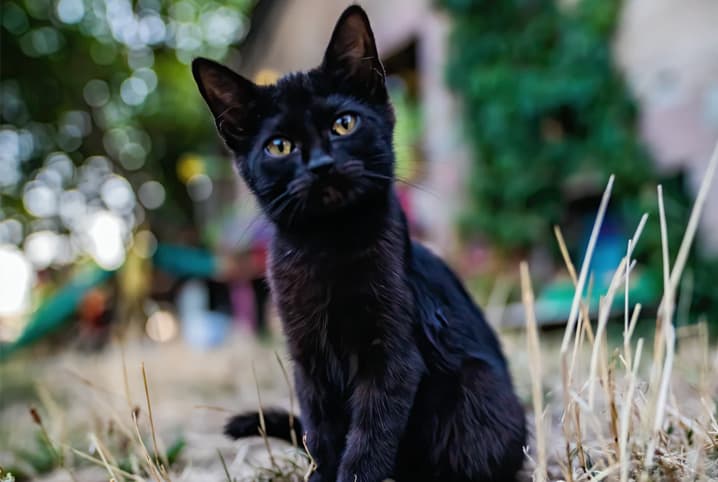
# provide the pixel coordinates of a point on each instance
(243, 308)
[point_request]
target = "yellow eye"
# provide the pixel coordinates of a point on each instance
(344, 124)
(279, 147)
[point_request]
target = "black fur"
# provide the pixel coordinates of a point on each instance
(276, 423)
(396, 371)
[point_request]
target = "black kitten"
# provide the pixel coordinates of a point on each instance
(397, 372)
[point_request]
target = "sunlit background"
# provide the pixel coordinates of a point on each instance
(103, 138)
(510, 121)
(121, 216)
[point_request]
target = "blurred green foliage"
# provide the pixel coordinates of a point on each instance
(98, 88)
(549, 118)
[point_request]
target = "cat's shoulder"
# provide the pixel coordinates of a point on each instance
(428, 266)
(448, 318)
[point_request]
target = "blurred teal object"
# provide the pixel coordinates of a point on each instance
(554, 302)
(57, 309)
(185, 261)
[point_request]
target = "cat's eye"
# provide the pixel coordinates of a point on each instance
(279, 147)
(344, 124)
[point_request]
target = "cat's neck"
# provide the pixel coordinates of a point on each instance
(336, 288)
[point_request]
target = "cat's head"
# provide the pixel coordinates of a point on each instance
(317, 144)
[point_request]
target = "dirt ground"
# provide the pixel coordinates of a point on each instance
(83, 403)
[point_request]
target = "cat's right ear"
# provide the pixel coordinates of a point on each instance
(226, 92)
(352, 55)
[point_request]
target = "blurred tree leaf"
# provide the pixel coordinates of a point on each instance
(107, 78)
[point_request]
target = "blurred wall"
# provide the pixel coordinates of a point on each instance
(669, 51)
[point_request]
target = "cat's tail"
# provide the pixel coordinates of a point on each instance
(278, 424)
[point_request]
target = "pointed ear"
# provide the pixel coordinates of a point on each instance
(225, 91)
(352, 55)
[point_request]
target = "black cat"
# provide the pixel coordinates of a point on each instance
(397, 372)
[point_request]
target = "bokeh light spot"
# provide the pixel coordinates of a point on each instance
(41, 41)
(70, 11)
(41, 248)
(151, 194)
(133, 91)
(117, 194)
(199, 187)
(14, 18)
(39, 199)
(96, 93)
(161, 326)
(105, 239)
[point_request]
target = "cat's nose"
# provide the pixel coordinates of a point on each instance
(321, 164)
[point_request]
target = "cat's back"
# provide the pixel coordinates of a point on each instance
(463, 356)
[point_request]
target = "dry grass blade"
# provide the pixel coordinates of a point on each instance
(534, 351)
(627, 285)
(312, 462)
(152, 468)
(155, 445)
(629, 252)
(695, 216)
(599, 341)
(100, 450)
(224, 466)
(566, 257)
(125, 377)
(624, 458)
(573, 315)
(292, 432)
(664, 331)
(96, 461)
(629, 335)
(566, 370)
(262, 424)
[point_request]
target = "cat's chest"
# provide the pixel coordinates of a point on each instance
(329, 297)
(334, 310)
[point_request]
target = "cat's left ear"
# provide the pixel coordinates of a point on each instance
(352, 55)
(221, 87)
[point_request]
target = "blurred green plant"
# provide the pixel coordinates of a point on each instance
(407, 130)
(98, 109)
(549, 118)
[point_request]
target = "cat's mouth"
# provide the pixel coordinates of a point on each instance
(335, 189)
(327, 194)
(332, 196)
(332, 192)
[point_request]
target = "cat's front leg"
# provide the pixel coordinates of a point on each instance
(324, 429)
(380, 404)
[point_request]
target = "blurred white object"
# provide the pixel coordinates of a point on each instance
(41, 248)
(105, 240)
(201, 327)
(16, 279)
(161, 326)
